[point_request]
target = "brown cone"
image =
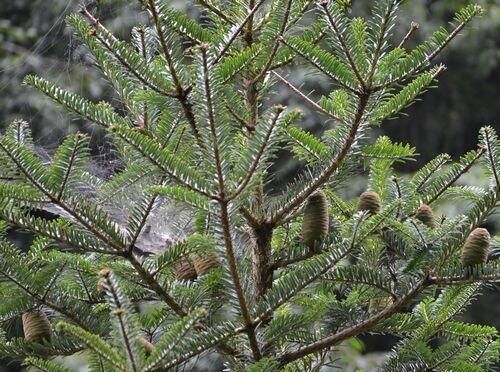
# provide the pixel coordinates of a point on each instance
(369, 201)
(316, 219)
(148, 346)
(36, 326)
(476, 247)
(203, 265)
(185, 271)
(426, 216)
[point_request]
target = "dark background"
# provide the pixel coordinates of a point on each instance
(34, 39)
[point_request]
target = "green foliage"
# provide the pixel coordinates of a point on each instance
(195, 137)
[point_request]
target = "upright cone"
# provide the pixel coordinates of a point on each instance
(426, 216)
(36, 326)
(316, 219)
(203, 265)
(369, 201)
(148, 346)
(185, 271)
(476, 248)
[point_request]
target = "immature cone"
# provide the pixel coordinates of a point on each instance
(476, 248)
(185, 271)
(426, 216)
(148, 346)
(316, 219)
(36, 326)
(203, 265)
(369, 201)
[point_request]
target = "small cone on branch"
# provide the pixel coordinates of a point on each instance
(316, 219)
(476, 248)
(185, 271)
(203, 265)
(147, 346)
(36, 326)
(369, 201)
(426, 216)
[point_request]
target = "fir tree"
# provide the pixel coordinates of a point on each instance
(196, 132)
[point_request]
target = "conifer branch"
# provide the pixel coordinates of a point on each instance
(329, 169)
(462, 171)
(456, 280)
(313, 62)
(282, 263)
(69, 168)
(491, 160)
(219, 13)
(119, 313)
(306, 99)
(101, 236)
(242, 185)
(414, 26)
(182, 94)
(275, 47)
(43, 301)
(228, 240)
(224, 214)
(143, 221)
(437, 166)
(380, 40)
(353, 330)
(343, 43)
(238, 30)
(99, 26)
(290, 59)
(150, 281)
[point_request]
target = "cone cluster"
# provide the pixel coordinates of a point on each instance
(426, 216)
(369, 201)
(36, 326)
(476, 248)
(203, 265)
(316, 219)
(185, 271)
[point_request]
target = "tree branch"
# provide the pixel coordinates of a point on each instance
(354, 330)
(236, 32)
(329, 170)
(306, 99)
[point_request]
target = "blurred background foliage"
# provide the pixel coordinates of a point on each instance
(34, 39)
